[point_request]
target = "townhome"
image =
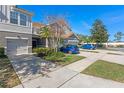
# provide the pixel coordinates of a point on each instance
(68, 36)
(36, 40)
(15, 30)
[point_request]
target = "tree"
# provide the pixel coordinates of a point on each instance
(58, 27)
(118, 36)
(84, 38)
(99, 32)
(45, 33)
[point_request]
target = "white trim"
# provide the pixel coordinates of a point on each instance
(29, 46)
(3, 30)
(31, 27)
(15, 38)
(5, 50)
(14, 9)
(23, 11)
(15, 25)
(1, 11)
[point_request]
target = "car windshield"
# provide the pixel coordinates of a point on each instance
(72, 46)
(89, 44)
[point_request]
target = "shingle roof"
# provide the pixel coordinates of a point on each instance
(65, 36)
(22, 10)
(38, 25)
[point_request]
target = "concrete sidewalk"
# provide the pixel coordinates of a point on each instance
(70, 76)
(82, 64)
(61, 76)
(87, 81)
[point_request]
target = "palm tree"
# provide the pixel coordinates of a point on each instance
(45, 33)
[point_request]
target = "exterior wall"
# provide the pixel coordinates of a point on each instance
(35, 30)
(111, 44)
(14, 28)
(72, 40)
(4, 13)
(16, 31)
(4, 35)
(114, 44)
(5, 24)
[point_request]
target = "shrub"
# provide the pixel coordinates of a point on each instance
(2, 85)
(42, 51)
(2, 52)
(120, 46)
(49, 54)
(100, 46)
(55, 56)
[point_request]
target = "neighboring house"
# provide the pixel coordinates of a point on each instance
(68, 36)
(15, 30)
(72, 39)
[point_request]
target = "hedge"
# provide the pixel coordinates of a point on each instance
(1, 52)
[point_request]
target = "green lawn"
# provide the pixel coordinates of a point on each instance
(8, 77)
(70, 58)
(106, 70)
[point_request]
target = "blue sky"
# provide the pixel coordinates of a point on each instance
(82, 17)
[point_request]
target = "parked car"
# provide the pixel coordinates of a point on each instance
(72, 49)
(88, 46)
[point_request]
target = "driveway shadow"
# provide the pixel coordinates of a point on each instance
(29, 67)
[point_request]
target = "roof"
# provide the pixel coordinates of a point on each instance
(22, 10)
(76, 36)
(65, 36)
(38, 25)
(63, 23)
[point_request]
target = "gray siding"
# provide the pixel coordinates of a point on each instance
(5, 24)
(4, 13)
(3, 40)
(15, 28)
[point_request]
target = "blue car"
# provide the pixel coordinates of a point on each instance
(72, 49)
(88, 46)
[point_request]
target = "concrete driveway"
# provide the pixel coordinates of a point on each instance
(70, 76)
(29, 67)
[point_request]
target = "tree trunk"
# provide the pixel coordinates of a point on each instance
(46, 42)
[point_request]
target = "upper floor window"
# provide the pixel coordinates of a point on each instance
(14, 17)
(0, 13)
(23, 19)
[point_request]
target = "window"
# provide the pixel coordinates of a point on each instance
(13, 17)
(23, 19)
(0, 13)
(29, 21)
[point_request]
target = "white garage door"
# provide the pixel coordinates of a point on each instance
(17, 46)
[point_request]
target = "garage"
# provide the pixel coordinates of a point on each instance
(17, 46)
